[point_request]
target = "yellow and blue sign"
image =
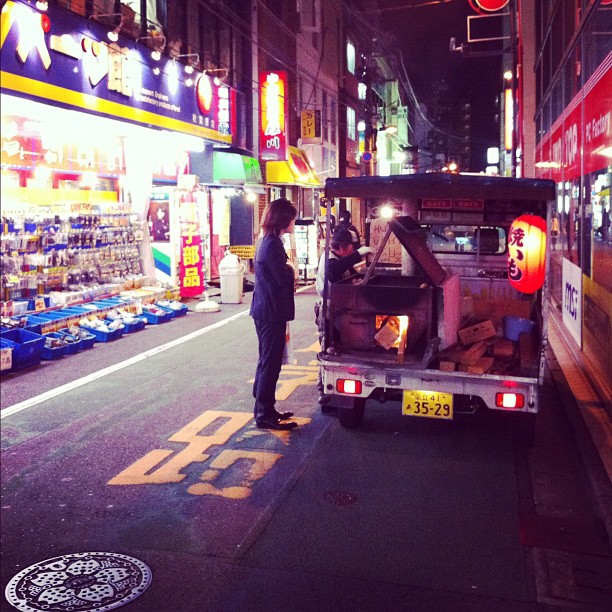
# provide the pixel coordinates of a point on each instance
(63, 59)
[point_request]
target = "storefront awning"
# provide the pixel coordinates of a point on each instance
(231, 168)
(295, 171)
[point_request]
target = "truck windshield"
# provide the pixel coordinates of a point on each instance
(466, 239)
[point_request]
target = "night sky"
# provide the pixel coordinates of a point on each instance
(423, 33)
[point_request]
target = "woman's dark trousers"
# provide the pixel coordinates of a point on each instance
(271, 336)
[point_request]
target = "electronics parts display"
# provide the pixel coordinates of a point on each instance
(40, 255)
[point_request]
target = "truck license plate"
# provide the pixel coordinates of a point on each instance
(429, 404)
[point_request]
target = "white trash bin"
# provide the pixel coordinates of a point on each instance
(231, 272)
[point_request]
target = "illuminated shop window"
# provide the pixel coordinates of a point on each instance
(350, 57)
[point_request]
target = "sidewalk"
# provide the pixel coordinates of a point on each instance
(588, 407)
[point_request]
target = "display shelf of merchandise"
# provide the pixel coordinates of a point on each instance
(69, 330)
(43, 253)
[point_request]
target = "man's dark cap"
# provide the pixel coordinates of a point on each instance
(341, 236)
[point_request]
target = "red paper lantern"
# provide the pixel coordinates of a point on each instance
(527, 253)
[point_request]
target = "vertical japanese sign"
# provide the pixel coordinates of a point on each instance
(191, 268)
(311, 126)
(273, 105)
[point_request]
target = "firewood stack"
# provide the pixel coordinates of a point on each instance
(480, 351)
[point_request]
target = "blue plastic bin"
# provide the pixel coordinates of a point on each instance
(74, 344)
(156, 319)
(28, 347)
(48, 353)
(102, 336)
(137, 325)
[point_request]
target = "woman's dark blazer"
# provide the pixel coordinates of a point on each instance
(274, 282)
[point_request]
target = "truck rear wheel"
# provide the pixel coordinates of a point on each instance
(351, 417)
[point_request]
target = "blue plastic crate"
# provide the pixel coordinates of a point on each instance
(73, 343)
(182, 310)
(155, 319)
(7, 344)
(138, 324)
(86, 339)
(35, 323)
(28, 347)
(171, 313)
(48, 353)
(102, 336)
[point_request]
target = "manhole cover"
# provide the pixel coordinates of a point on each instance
(340, 498)
(79, 582)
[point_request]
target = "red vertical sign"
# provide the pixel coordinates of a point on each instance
(272, 124)
(191, 267)
(598, 123)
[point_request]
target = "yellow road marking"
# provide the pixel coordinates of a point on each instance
(243, 466)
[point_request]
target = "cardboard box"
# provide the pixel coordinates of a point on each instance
(477, 332)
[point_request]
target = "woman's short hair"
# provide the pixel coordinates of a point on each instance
(277, 216)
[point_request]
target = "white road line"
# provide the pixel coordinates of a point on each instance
(114, 368)
(119, 366)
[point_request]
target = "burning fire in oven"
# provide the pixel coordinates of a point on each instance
(392, 333)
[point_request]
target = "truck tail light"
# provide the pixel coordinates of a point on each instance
(510, 400)
(348, 386)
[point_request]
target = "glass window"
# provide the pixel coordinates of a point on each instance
(325, 126)
(362, 89)
(351, 127)
(333, 119)
(466, 239)
(350, 57)
(601, 227)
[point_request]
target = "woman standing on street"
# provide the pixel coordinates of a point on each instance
(272, 306)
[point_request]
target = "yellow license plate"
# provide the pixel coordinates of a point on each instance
(430, 404)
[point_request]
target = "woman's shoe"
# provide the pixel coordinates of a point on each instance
(273, 423)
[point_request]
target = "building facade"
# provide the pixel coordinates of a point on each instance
(573, 133)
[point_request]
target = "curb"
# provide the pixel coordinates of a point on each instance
(599, 481)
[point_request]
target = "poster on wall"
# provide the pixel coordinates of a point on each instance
(158, 219)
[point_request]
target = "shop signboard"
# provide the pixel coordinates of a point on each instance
(59, 58)
(25, 144)
(191, 261)
(572, 299)
(273, 105)
(543, 159)
(556, 152)
(598, 118)
(572, 141)
(311, 126)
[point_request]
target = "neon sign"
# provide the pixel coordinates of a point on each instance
(273, 103)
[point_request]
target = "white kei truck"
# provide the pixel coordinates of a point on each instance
(433, 320)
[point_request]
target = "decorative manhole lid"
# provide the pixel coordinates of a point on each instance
(79, 582)
(340, 498)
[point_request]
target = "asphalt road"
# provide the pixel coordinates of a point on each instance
(146, 447)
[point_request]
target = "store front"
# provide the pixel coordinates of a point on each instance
(295, 180)
(88, 128)
(577, 154)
